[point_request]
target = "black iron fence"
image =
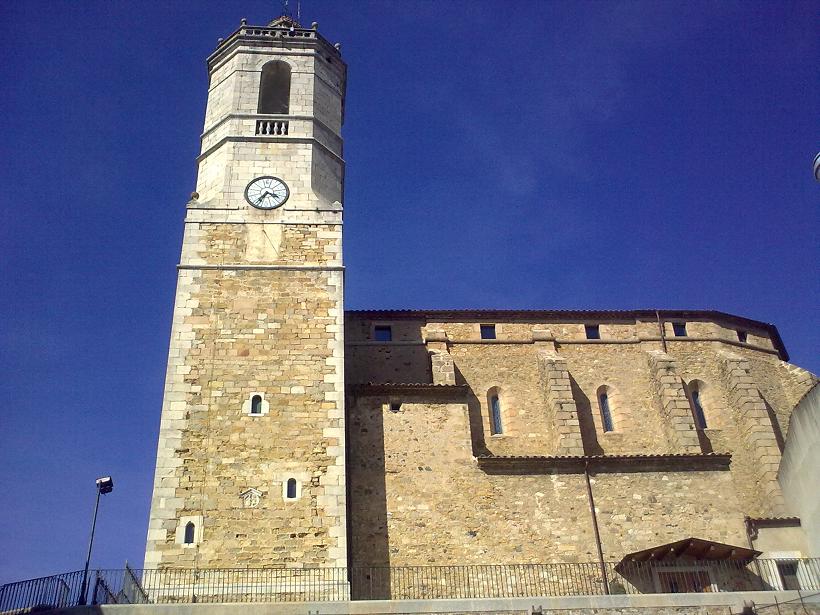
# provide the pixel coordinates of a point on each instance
(411, 582)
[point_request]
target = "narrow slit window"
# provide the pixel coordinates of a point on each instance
(593, 332)
(700, 417)
(742, 336)
(495, 415)
(488, 332)
(679, 328)
(291, 489)
(256, 404)
(383, 333)
(606, 413)
(395, 406)
(274, 88)
(190, 530)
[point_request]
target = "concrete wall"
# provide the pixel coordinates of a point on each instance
(781, 542)
(764, 603)
(800, 467)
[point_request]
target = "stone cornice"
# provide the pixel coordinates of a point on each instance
(267, 139)
(567, 342)
(271, 36)
(281, 222)
(242, 267)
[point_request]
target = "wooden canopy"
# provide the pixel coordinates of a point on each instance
(693, 548)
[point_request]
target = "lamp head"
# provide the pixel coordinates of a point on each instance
(105, 484)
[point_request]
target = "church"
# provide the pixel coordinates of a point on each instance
(296, 436)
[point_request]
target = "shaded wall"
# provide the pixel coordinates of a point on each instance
(800, 466)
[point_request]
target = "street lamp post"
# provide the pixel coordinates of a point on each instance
(104, 485)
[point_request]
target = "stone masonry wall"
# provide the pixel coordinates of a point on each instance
(616, 362)
(625, 372)
(417, 497)
(387, 363)
(777, 384)
(254, 332)
(528, 428)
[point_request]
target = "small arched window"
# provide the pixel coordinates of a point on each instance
(291, 489)
(697, 406)
(606, 412)
(190, 530)
(256, 404)
(495, 415)
(274, 88)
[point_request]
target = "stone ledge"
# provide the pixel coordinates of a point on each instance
(267, 139)
(604, 463)
(410, 388)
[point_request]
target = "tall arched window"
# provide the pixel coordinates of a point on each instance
(274, 88)
(697, 404)
(291, 489)
(606, 412)
(256, 404)
(190, 530)
(495, 415)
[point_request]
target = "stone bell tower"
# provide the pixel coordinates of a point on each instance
(250, 464)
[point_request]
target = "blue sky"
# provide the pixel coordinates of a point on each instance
(500, 154)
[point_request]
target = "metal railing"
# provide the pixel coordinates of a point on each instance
(158, 586)
(61, 590)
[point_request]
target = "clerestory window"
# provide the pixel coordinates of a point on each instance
(495, 415)
(697, 410)
(383, 333)
(606, 412)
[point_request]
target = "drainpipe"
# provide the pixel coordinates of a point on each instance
(595, 529)
(660, 328)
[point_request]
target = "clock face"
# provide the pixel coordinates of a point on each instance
(267, 192)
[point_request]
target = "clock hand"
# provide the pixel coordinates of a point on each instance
(264, 194)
